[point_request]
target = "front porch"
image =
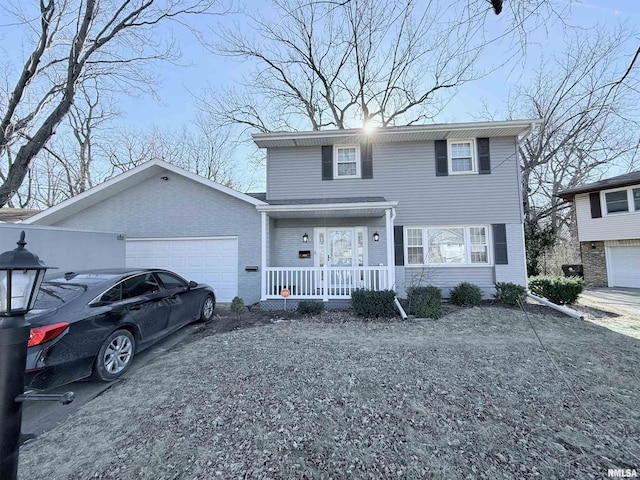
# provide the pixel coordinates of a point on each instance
(324, 250)
(324, 283)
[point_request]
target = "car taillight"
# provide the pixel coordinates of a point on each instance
(44, 334)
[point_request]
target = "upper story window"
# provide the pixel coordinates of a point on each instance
(455, 245)
(462, 156)
(622, 200)
(346, 161)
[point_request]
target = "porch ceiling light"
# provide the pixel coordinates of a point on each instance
(376, 236)
(305, 238)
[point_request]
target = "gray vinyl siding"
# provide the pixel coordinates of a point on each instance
(445, 278)
(405, 172)
(180, 208)
(516, 270)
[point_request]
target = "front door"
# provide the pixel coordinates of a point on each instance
(341, 248)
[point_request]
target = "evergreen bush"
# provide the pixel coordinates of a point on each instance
(373, 304)
(424, 302)
(559, 290)
(466, 293)
(510, 293)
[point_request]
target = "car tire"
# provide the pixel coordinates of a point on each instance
(115, 356)
(206, 311)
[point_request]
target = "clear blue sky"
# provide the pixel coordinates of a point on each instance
(203, 70)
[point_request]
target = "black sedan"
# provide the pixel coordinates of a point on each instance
(94, 322)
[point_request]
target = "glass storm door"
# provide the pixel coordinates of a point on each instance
(341, 248)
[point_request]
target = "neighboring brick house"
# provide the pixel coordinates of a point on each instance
(608, 218)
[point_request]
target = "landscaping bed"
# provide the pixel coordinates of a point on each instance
(471, 395)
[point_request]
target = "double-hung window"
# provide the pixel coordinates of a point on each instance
(622, 200)
(346, 161)
(462, 156)
(447, 245)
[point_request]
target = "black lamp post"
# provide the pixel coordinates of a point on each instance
(21, 274)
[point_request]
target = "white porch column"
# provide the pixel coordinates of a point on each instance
(263, 261)
(391, 264)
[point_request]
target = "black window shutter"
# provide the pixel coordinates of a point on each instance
(596, 208)
(398, 244)
(366, 160)
(441, 158)
(500, 254)
(484, 160)
(327, 162)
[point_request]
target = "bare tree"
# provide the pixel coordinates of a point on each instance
(334, 64)
(110, 41)
(202, 149)
(587, 99)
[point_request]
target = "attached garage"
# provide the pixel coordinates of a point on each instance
(170, 218)
(623, 266)
(211, 260)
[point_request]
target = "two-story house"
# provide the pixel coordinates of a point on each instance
(346, 209)
(390, 209)
(608, 220)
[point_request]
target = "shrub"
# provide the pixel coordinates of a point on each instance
(510, 293)
(559, 290)
(425, 302)
(466, 293)
(310, 307)
(373, 304)
(237, 306)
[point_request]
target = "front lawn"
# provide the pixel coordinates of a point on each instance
(472, 395)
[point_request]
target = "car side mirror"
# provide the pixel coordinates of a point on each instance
(193, 284)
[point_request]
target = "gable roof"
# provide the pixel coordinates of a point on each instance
(123, 182)
(509, 128)
(625, 180)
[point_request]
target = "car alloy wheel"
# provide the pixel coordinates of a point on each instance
(208, 306)
(115, 355)
(118, 355)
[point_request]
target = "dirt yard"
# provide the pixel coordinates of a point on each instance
(472, 395)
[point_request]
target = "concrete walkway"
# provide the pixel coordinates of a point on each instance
(625, 300)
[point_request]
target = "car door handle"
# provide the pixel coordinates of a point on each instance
(134, 307)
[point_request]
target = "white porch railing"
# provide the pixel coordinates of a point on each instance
(323, 282)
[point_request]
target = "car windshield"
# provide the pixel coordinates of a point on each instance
(52, 295)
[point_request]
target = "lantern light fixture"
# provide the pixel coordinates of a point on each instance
(376, 236)
(21, 273)
(305, 238)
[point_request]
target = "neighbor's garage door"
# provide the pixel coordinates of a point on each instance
(213, 261)
(624, 266)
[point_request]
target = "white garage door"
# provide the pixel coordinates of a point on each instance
(623, 264)
(213, 261)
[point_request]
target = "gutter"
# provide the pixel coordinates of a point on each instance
(566, 310)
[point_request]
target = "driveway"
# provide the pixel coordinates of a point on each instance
(625, 301)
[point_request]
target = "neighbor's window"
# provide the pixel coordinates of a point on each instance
(636, 199)
(462, 156)
(617, 201)
(346, 161)
(455, 245)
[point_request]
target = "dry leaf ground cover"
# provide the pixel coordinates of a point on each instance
(472, 395)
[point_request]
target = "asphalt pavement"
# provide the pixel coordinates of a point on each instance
(38, 417)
